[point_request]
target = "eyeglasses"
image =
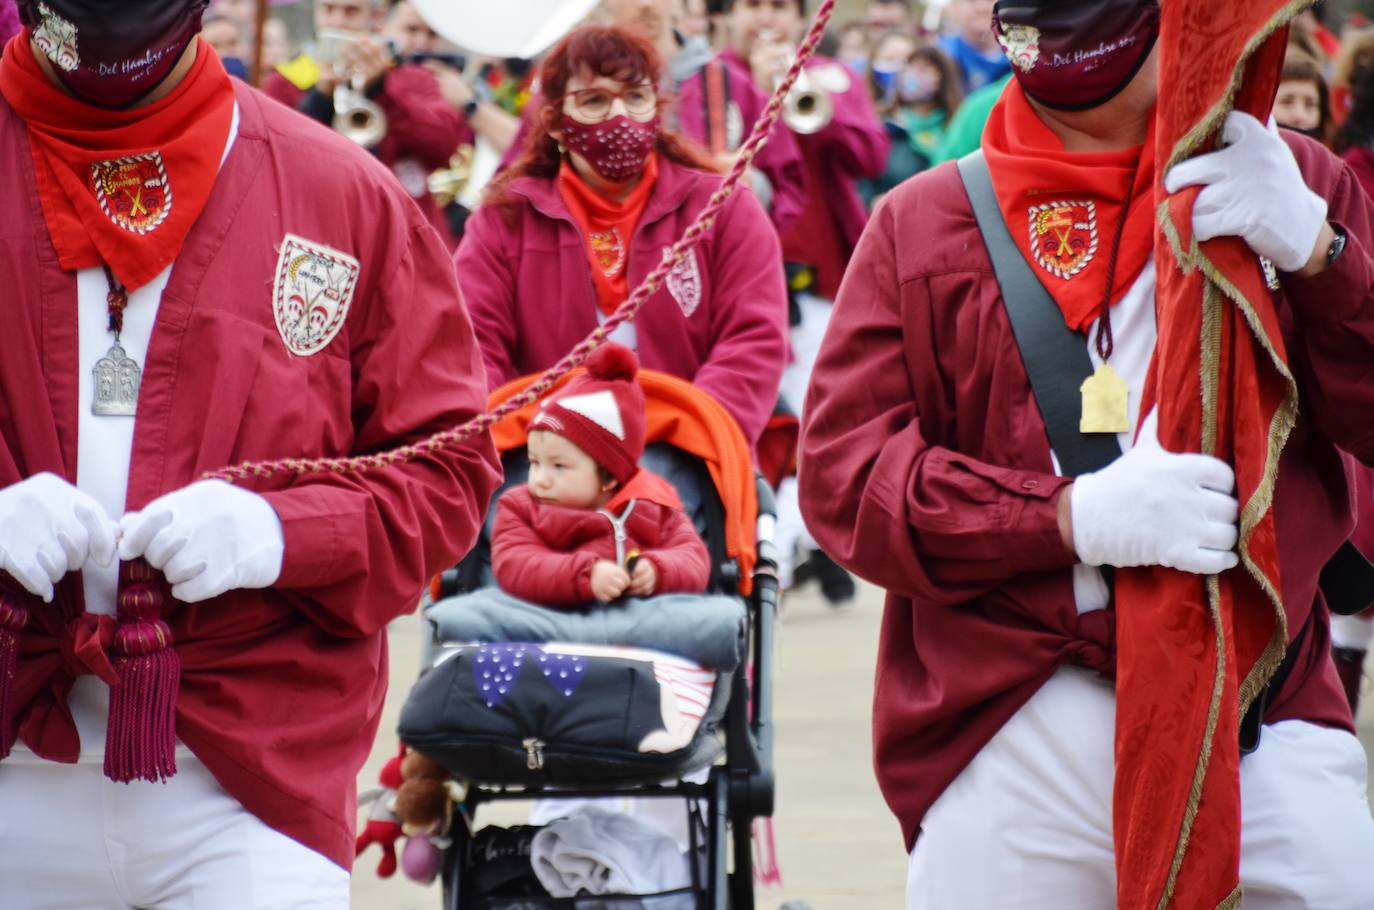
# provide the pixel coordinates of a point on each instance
(594, 104)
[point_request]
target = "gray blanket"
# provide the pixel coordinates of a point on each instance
(705, 629)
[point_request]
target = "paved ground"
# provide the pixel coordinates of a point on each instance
(839, 847)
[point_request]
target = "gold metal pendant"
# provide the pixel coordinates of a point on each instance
(116, 378)
(1105, 410)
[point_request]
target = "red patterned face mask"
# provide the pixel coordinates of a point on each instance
(616, 148)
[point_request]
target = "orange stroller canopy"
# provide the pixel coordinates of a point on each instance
(681, 415)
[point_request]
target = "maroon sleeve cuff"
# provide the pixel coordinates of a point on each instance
(1338, 294)
(313, 533)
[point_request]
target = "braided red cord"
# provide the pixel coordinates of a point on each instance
(626, 311)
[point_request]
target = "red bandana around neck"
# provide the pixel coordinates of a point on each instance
(121, 188)
(1065, 208)
(607, 227)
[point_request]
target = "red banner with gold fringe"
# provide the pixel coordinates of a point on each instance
(1193, 651)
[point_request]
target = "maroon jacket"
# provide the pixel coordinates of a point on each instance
(920, 406)
(544, 553)
(854, 145)
(422, 130)
(281, 689)
(720, 321)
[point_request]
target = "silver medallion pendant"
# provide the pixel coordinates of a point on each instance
(116, 378)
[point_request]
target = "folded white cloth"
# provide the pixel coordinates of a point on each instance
(595, 852)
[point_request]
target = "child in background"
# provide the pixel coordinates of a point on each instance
(590, 524)
(1302, 103)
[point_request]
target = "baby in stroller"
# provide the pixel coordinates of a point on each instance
(591, 524)
(604, 655)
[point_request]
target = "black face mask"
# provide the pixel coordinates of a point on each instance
(110, 53)
(1075, 54)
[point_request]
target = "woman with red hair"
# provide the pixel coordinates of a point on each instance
(600, 191)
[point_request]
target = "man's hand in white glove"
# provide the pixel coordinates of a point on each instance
(207, 538)
(1254, 190)
(1152, 507)
(49, 528)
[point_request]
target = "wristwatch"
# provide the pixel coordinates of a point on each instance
(470, 108)
(1333, 252)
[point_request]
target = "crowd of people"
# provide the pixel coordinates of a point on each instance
(847, 317)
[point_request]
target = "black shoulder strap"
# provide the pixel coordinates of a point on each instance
(1055, 356)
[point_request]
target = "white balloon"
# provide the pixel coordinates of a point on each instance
(503, 28)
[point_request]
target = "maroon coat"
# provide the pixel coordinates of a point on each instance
(281, 689)
(854, 145)
(422, 131)
(920, 407)
(719, 322)
(544, 553)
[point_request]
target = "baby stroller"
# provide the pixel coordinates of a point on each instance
(696, 446)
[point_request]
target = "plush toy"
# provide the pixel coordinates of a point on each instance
(383, 828)
(425, 795)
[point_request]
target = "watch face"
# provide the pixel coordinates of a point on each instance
(1337, 246)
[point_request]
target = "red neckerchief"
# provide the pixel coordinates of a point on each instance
(121, 187)
(1064, 208)
(607, 226)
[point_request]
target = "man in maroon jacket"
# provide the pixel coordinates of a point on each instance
(838, 149)
(422, 129)
(995, 704)
(196, 277)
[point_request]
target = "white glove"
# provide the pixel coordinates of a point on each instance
(207, 538)
(1253, 190)
(1152, 507)
(49, 528)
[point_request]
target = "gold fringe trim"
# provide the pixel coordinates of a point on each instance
(1212, 120)
(1280, 428)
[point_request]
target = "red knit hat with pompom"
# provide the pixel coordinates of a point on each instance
(601, 411)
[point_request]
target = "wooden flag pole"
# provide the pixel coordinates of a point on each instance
(255, 75)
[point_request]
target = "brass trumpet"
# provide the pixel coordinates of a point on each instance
(357, 118)
(807, 108)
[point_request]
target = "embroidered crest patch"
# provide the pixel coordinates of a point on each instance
(684, 283)
(1063, 236)
(133, 192)
(56, 38)
(1022, 45)
(609, 250)
(313, 289)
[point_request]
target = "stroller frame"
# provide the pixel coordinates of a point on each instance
(737, 790)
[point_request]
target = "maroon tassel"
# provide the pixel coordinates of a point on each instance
(13, 617)
(141, 742)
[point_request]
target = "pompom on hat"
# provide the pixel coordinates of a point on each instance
(601, 411)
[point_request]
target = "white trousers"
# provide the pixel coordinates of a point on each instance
(1028, 824)
(791, 531)
(72, 840)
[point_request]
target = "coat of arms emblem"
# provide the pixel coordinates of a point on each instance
(313, 289)
(133, 192)
(56, 38)
(1063, 236)
(684, 283)
(1022, 45)
(609, 251)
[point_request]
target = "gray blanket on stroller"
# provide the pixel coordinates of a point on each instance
(705, 629)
